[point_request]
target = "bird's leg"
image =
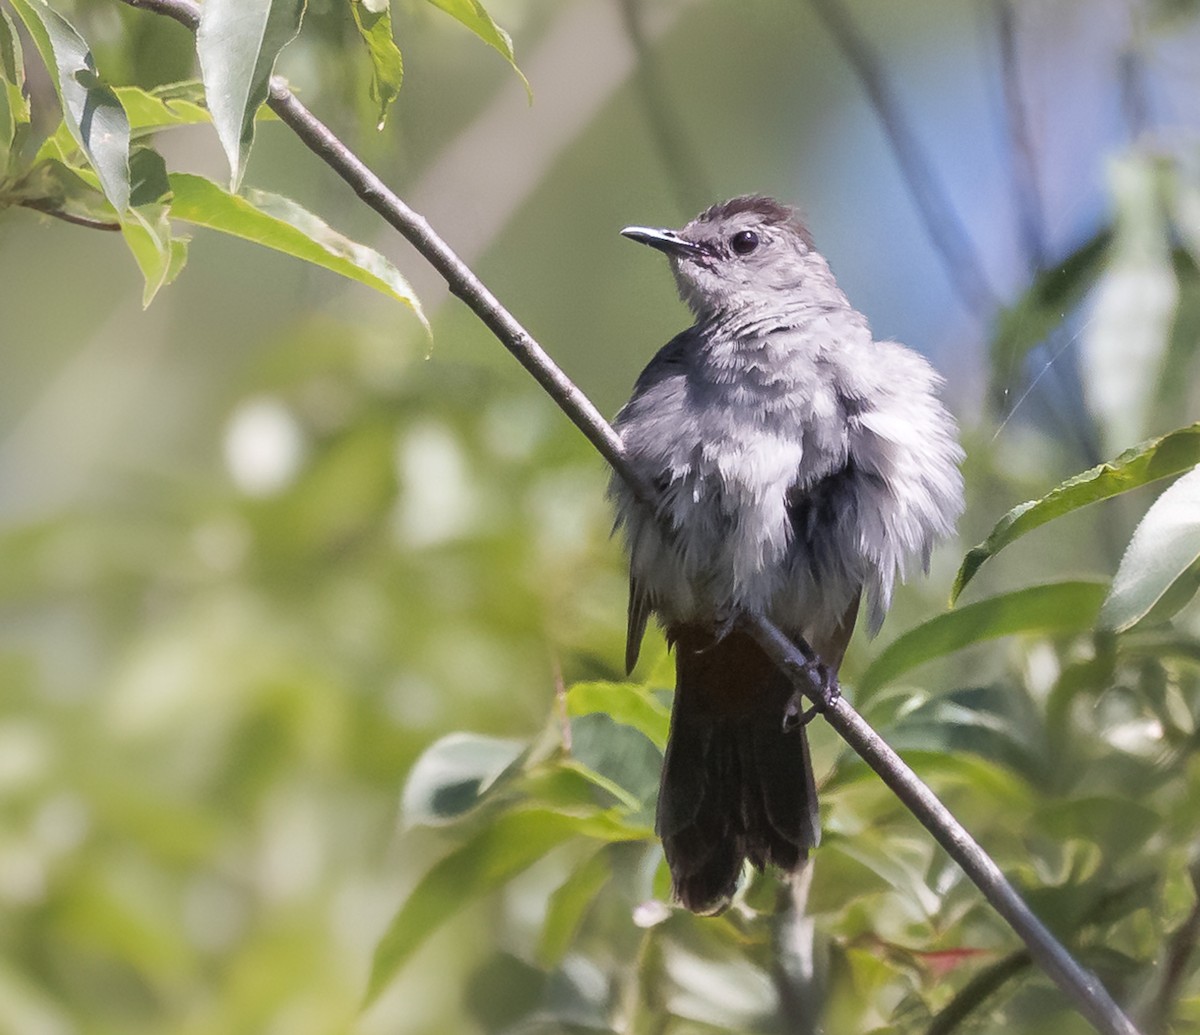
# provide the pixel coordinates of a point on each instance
(722, 628)
(825, 694)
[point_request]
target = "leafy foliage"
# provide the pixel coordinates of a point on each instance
(202, 795)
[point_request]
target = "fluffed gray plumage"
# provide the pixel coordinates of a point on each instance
(800, 465)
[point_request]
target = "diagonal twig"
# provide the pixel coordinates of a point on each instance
(1080, 986)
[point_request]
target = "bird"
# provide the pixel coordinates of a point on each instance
(799, 467)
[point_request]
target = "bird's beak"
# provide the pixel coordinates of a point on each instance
(667, 241)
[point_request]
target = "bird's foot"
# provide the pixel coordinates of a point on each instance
(826, 693)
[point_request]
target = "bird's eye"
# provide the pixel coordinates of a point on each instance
(744, 242)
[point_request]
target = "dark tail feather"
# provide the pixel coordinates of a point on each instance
(734, 785)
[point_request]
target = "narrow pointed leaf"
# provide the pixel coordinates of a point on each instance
(91, 110)
(475, 17)
(12, 62)
(159, 255)
(1058, 607)
(1165, 544)
(1145, 463)
(281, 224)
(14, 108)
(238, 42)
(374, 22)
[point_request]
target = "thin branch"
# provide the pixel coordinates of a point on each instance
(1082, 987)
(47, 208)
(683, 166)
(1024, 154)
(945, 229)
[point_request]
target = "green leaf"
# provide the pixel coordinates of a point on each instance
(1145, 463)
(510, 844)
(568, 906)
(374, 22)
(474, 16)
(14, 108)
(160, 257)
(91, 110)
(278, 223)
(1058, 607)
(177, 104)
(238, 42)
(1053, 294)
(629, 703)
(1165, 544)
(452, 775)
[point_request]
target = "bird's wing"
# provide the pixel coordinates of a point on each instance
(639, 614)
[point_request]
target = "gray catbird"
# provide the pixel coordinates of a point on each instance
(799, 465)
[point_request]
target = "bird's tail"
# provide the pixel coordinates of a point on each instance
(735, 786)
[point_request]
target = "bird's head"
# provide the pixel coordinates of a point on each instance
(743, 256)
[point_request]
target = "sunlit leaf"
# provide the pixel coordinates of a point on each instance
(160, 257)
(1145, 463)
(1058, 607)
(374, 21)
(91, 110)
(728, 994)
(1123, 341)
(568, 906)
(475, 17)
(510, 843)
(146, 226)
(452, 775)
(1165, 544)
(629, 703)
(179, 104)
(238, 42)
(279, 223)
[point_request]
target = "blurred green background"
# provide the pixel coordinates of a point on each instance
(265, 543)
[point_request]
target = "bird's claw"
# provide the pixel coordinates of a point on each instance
(826, 694)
